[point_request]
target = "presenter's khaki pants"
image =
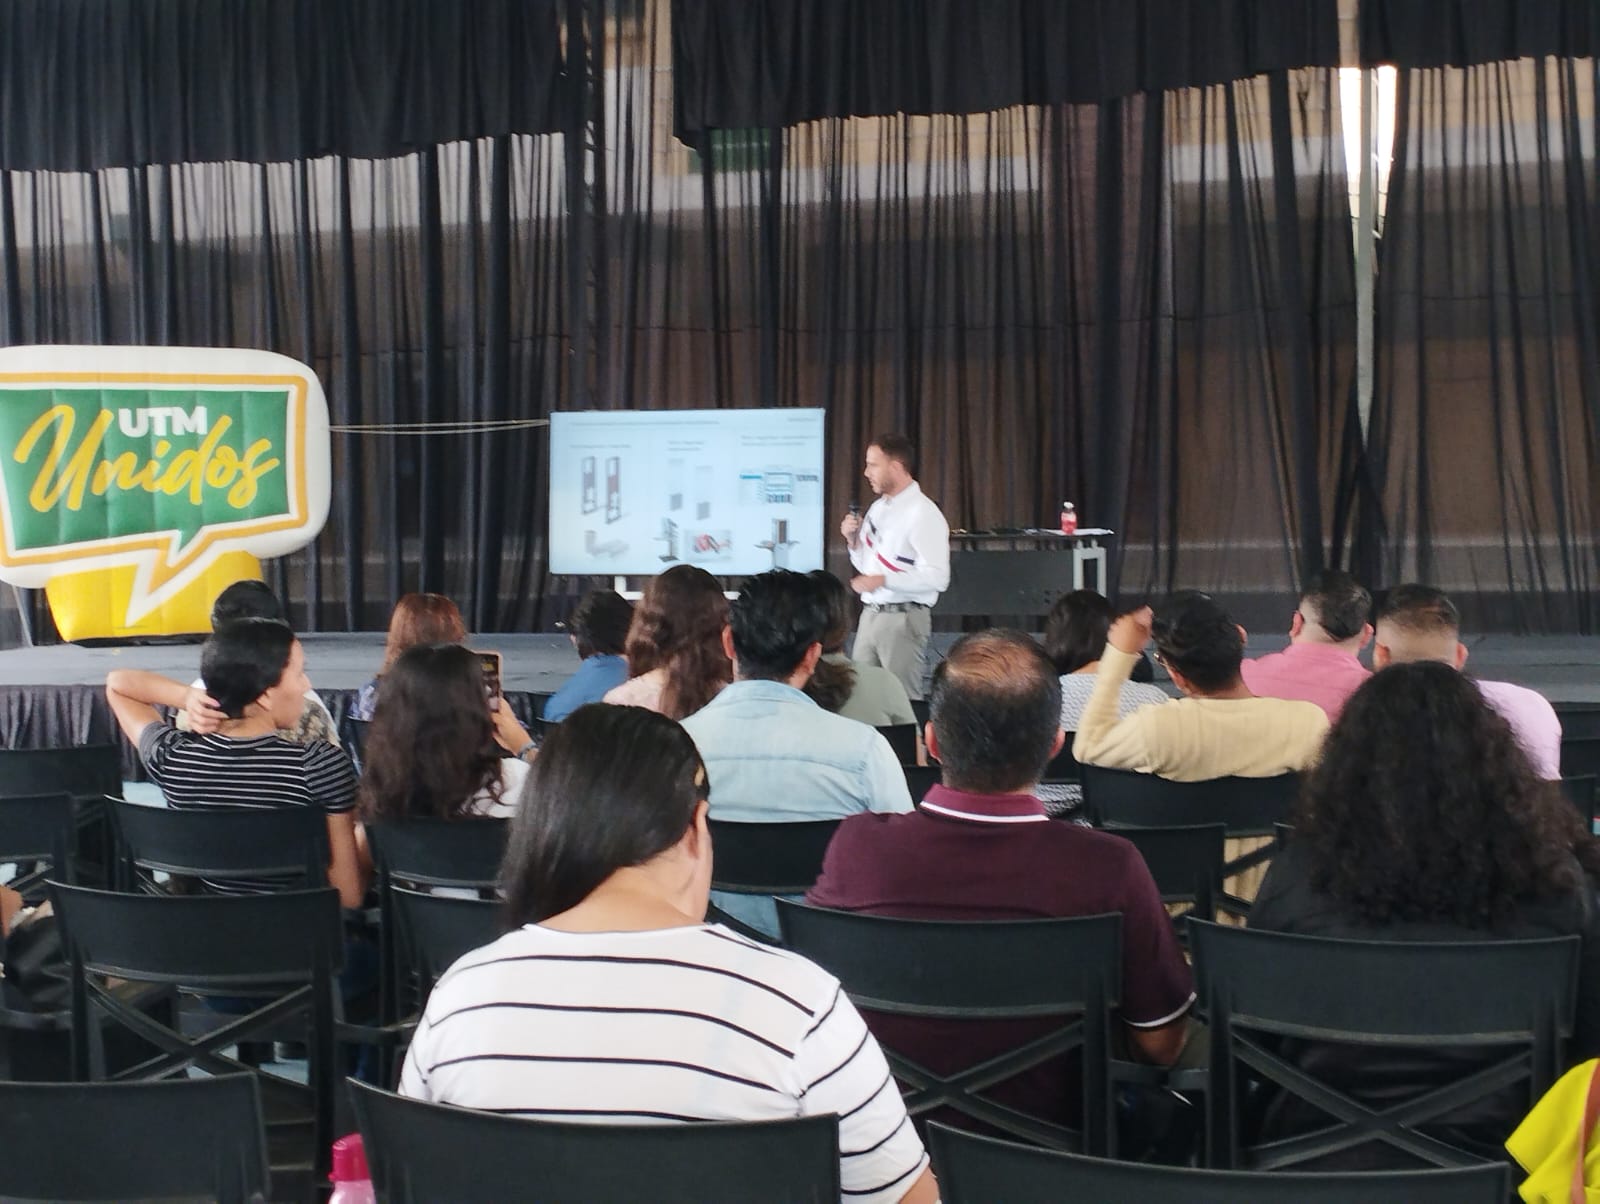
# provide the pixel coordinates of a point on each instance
(897, 640)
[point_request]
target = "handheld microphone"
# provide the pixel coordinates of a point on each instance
(855, 508)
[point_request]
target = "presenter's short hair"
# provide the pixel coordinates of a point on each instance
(898, 447)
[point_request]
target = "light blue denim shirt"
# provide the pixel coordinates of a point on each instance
(773, 756)
(776, 757)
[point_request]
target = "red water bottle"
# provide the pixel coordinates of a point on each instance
(352, 1182)
(1069, 518)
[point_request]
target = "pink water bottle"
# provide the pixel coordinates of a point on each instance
(1069, 518)
(352, 1182)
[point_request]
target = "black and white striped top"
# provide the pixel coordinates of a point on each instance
(676, 1024)
(263, 771)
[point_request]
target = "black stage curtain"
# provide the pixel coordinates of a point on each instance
(1145, 306)
(1462, 33)
(89, 84)
(426, 288)
(1482, 443)
(747, 63)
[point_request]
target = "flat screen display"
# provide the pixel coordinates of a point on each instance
(634, 492)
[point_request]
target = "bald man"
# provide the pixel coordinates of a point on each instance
(981, 847)
(1420, 623)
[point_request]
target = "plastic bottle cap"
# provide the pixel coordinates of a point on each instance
(350, 1160)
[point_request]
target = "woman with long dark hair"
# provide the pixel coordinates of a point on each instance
(612, 1001)
(1074, 637)
(434, 746)
(676, 662)
(1424, 821)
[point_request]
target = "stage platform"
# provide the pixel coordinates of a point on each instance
(55, 695)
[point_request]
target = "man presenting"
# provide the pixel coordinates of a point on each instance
(901, 554)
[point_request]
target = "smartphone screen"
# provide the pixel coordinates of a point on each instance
(489, 662)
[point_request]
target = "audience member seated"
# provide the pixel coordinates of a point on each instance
(980, 847)
(1419, 623)
(434, 747)
(676, 662)
(599, 631)
(254, 674)
(652, 1015)
(774, 755)
(253, 599)
(1218, 728)
(1074, 637)
(1425, 822)
(417, 619)
(866, 693)
(1329, 629)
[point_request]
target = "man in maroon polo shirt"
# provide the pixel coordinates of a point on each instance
(980, 847)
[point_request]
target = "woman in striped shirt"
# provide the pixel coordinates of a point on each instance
(611, 1000)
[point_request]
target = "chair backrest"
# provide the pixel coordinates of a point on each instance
(177, 1138)
(1064, 767)
(902, 737)
(421, 1152)
(1417, 995)
(1186, 863)
(38, 829)
(439, 852)
(84, 771)
(287, 843)
(1580, 792)
(438, 929)
(1246, 806)
(768, 859)
(1068, 969)
(976, 1170)
(280, 950)
(1580, 755)
(920, 779)
(353, 733)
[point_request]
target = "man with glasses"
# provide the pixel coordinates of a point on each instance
(1218, 728)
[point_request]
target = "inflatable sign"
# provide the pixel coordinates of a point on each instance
(136, 482)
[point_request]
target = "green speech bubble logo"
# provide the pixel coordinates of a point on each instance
(163, 458)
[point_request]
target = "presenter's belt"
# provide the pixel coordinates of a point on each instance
(894, 608)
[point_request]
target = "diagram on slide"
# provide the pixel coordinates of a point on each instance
(738, 492)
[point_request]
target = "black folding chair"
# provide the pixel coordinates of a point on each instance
(178, 1138)
(435, 930)
(421, 1153)
(283, 845)
(902, 737)
(1258, 988)
(38, 831)
(1580, 792)
(426, 853)
(1065, 970)
(977, 1170)
(765, 861)
(1247, 807)
(353, 735)
(280, 951)
(920, 779)
(1186, 864)
(85, 772)
(1063, 768)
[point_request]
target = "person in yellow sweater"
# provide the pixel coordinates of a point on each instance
(1218, 728)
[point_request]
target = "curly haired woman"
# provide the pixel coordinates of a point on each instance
(1424, 821)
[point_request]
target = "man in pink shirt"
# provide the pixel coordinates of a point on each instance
(1328, 631)
(1419, 623)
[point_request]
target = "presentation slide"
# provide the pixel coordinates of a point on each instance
(634, 492)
